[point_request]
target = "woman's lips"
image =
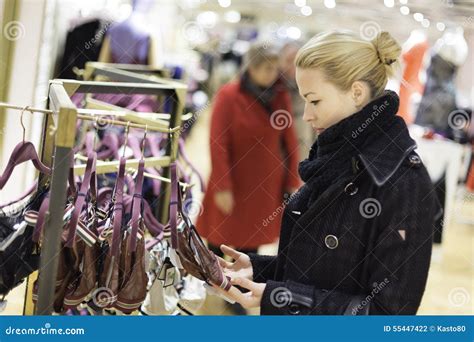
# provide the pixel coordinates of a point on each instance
(318, 130)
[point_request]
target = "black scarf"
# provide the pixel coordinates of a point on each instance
(263, 95)
(331, 155)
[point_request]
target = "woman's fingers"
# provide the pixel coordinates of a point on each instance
(223, 262)
(245, 283)
(230, 252)
(233, 293)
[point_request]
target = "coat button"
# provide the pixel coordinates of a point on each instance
(414, 160)
(351, 189)
(331, 241)
(294, 309)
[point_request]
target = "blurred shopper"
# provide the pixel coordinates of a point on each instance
(306, 135)
(254, 155)
(356, 238)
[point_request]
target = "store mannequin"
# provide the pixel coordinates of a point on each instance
(131, 42)
(413, 52)
(436, 106)
(439, 97)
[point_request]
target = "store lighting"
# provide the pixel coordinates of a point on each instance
(403, 2)
(418, 17)
(300, 3)
(389, 3)
(282, 33)
(207, 19)
(306, 10)
(293, 32)
(232, 17)
(330, 3)
(425, 23)
(441, 26)
(404, 10)
(225, 3)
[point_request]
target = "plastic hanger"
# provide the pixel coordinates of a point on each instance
(23, 152)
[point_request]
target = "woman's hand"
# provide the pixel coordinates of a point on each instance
(251, 299)
(241, 267)
(224, 201)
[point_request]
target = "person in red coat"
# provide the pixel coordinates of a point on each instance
(254, 157)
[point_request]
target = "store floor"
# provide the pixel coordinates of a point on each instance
(450, 287)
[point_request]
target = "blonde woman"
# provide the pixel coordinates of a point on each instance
(356, 238)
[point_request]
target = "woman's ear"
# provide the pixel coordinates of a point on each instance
(360, 92)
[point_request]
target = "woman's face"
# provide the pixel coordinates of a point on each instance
(325, 104)
(265, 74)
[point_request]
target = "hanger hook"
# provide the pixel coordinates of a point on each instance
(96, 126)
(144, 139)
(127, 129)
(21, 121)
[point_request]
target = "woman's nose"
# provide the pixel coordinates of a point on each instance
(307, 116)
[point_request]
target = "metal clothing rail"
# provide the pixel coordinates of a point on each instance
(129, 120)
(57, 149)
(64, 137)
(135, 68)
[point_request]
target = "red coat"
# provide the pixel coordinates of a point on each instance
(246, 158)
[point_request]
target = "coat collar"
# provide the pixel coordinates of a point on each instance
(375, 135)
(383, 159)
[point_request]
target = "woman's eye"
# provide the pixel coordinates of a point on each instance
(314, 103)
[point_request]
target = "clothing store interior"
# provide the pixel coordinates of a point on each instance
(162, 157)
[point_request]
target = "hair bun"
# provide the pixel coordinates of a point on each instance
(387, 48)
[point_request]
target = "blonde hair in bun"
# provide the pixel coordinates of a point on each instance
(345, 57)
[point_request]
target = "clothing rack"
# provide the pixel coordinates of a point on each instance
(135, 68)
(58, 138)
(177, 90)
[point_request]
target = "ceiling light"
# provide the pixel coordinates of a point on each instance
(404, 10)
(293, 32)
(418, 16)
(225, 3)
(207, 19)
(306, 10)
(232, 17)
(300, 3)
(330, 3)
